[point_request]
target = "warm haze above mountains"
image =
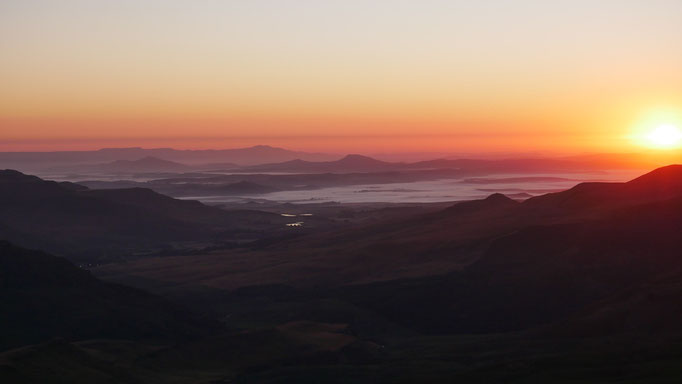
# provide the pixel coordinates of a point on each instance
(267, 158)
(244, 156)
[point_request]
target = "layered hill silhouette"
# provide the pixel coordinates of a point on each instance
(264, 158)
(78, 222)
(359, 163)
(147, 165)
(308, 175)
(348, 164)
(258, 154)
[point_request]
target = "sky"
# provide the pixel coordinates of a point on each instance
(343, 76)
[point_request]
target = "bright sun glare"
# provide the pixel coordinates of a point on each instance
(665, 136)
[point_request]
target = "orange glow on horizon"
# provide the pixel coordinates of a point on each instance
(340, 76)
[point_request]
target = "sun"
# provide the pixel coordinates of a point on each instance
(664, 136)
(658, 128)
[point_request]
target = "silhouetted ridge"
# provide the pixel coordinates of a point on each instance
(498, 198)
(581, 196)
(660, 184)
(360, 160)
(494, 201)
(349, 163)
(71, 220)
(295, 162)
(662, 181)
(244, 156)
(13, 176)
(15, 185)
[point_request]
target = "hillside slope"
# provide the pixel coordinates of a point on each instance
(91, 225)
(44, 297)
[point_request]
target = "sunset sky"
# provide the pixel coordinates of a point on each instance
(383, 75)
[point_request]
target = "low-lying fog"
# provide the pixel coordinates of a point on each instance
(517, 186)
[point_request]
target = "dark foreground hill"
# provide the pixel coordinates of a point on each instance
(44, 297)
(94, 225)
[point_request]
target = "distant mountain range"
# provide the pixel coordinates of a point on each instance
(228, 179)
(347, 164)
(243, 156)
(359, 163)
(263, 158)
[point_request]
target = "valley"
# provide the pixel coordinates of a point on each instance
(495, 289)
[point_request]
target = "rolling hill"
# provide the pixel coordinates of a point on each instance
(93, 225)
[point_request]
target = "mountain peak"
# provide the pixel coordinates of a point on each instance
(19, 185)
(498, 198)
(11, 175)
(492, 202)
(355, 158)
(670, 174)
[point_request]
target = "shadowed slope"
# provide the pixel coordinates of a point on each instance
(90, 224)
(660, 184)
(44, 296)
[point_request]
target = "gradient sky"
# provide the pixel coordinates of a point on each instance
(383, 75)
